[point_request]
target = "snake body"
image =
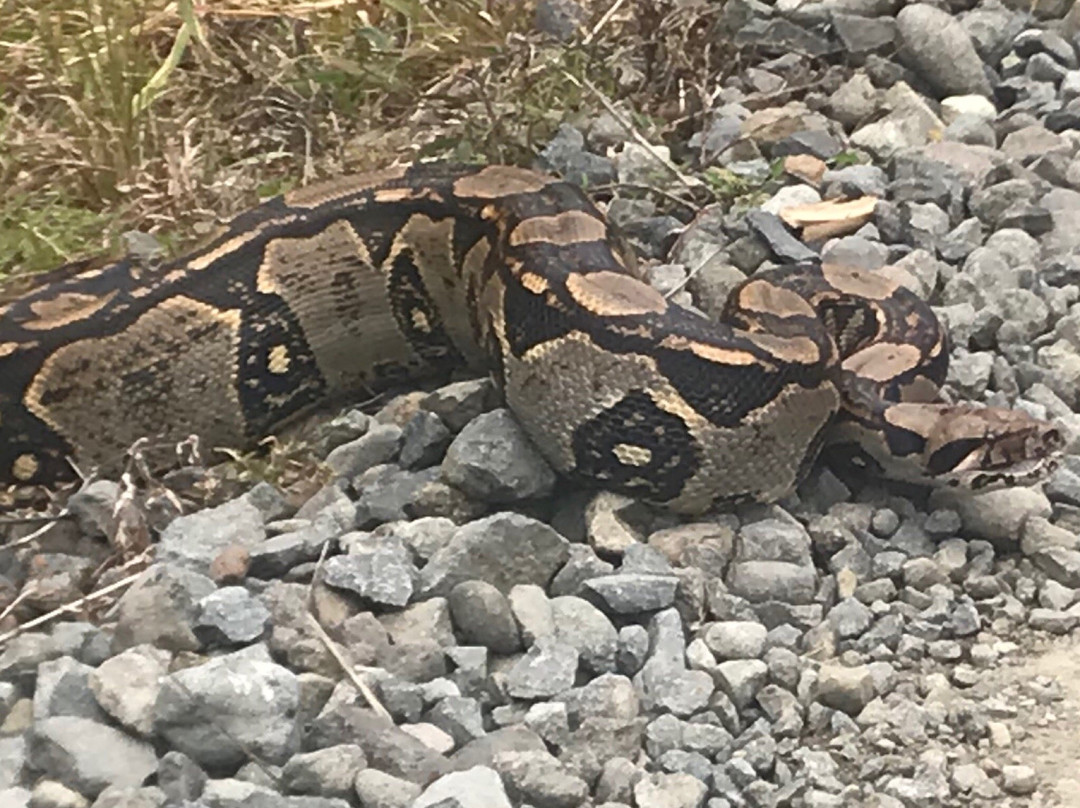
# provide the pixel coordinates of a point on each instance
(354, 286)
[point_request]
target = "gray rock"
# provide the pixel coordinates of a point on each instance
(759, 581)
(195, 540)
(910, 124)
(846, 689)
(741, 679)
(483, 616)
(664, 680)
(279, 554)
(87, 756)
(736, 639)
(459, 717)
(160, 608)
(127, 686)
(376, 789)
(180, 778)
(547, 668)
(145, 797)
(347, 426)
(608, 695)
(932, 39)
(663, 790)
(386, 746)
(565, 153)
(51, 794)
(230, 616)
(329, 772)
(1053, 620)
(380, 444)
(292, 638)
(532, 612)
(13, 760)
(850, 618)
(63, 688)
(21, 657)
(633, 649)
(996, 516)
(1019, 780)
(539, 779)
(389, 494)
(424, 440)
(582, 565)
(93, 505)
(460, 402)
(378, 568)
(774, 540)
(493, 460)
(503, 549)
(230, 707)
(617, 781)
(633, 593)
(478, 787)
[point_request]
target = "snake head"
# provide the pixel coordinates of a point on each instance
(983, 448)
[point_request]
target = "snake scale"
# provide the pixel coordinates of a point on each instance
(354, 286)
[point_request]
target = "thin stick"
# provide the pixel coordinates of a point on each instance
(69, 607)
(32, 537)
(631, 130)
(346, 666)
(689, 275)
(604, 20)
(332, 647)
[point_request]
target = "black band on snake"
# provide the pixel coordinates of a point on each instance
(354, 286)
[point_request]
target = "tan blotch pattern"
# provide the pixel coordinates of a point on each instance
(66, 308)
(278, 360)
(570, 227)
(25, 467)
(883, 361)
(767, 298)
(612, 294)
(498, 181)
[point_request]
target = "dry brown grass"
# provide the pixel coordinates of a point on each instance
(164, 115)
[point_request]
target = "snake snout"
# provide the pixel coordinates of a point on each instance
(1013, 449)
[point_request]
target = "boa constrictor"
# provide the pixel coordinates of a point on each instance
(356, 285)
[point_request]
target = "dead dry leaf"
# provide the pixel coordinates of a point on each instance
(830, 218)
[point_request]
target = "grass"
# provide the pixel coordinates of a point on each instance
(164, 116)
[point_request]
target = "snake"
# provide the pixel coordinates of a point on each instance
(360, 284)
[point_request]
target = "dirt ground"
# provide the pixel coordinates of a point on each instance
(1044, 686)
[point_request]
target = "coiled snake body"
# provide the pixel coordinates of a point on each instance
(356, 285)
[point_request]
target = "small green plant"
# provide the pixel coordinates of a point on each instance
(846, 158)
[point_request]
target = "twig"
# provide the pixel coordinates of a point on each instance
(69, 607)
(9, 521)
(604, 20)
(32, 537)
(689, 182)
(346, 666)
(337, 653)
(637, 186)
(689, 275)
(26, 592)
(315, 576)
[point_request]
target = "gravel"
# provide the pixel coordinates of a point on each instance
(515, 641)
